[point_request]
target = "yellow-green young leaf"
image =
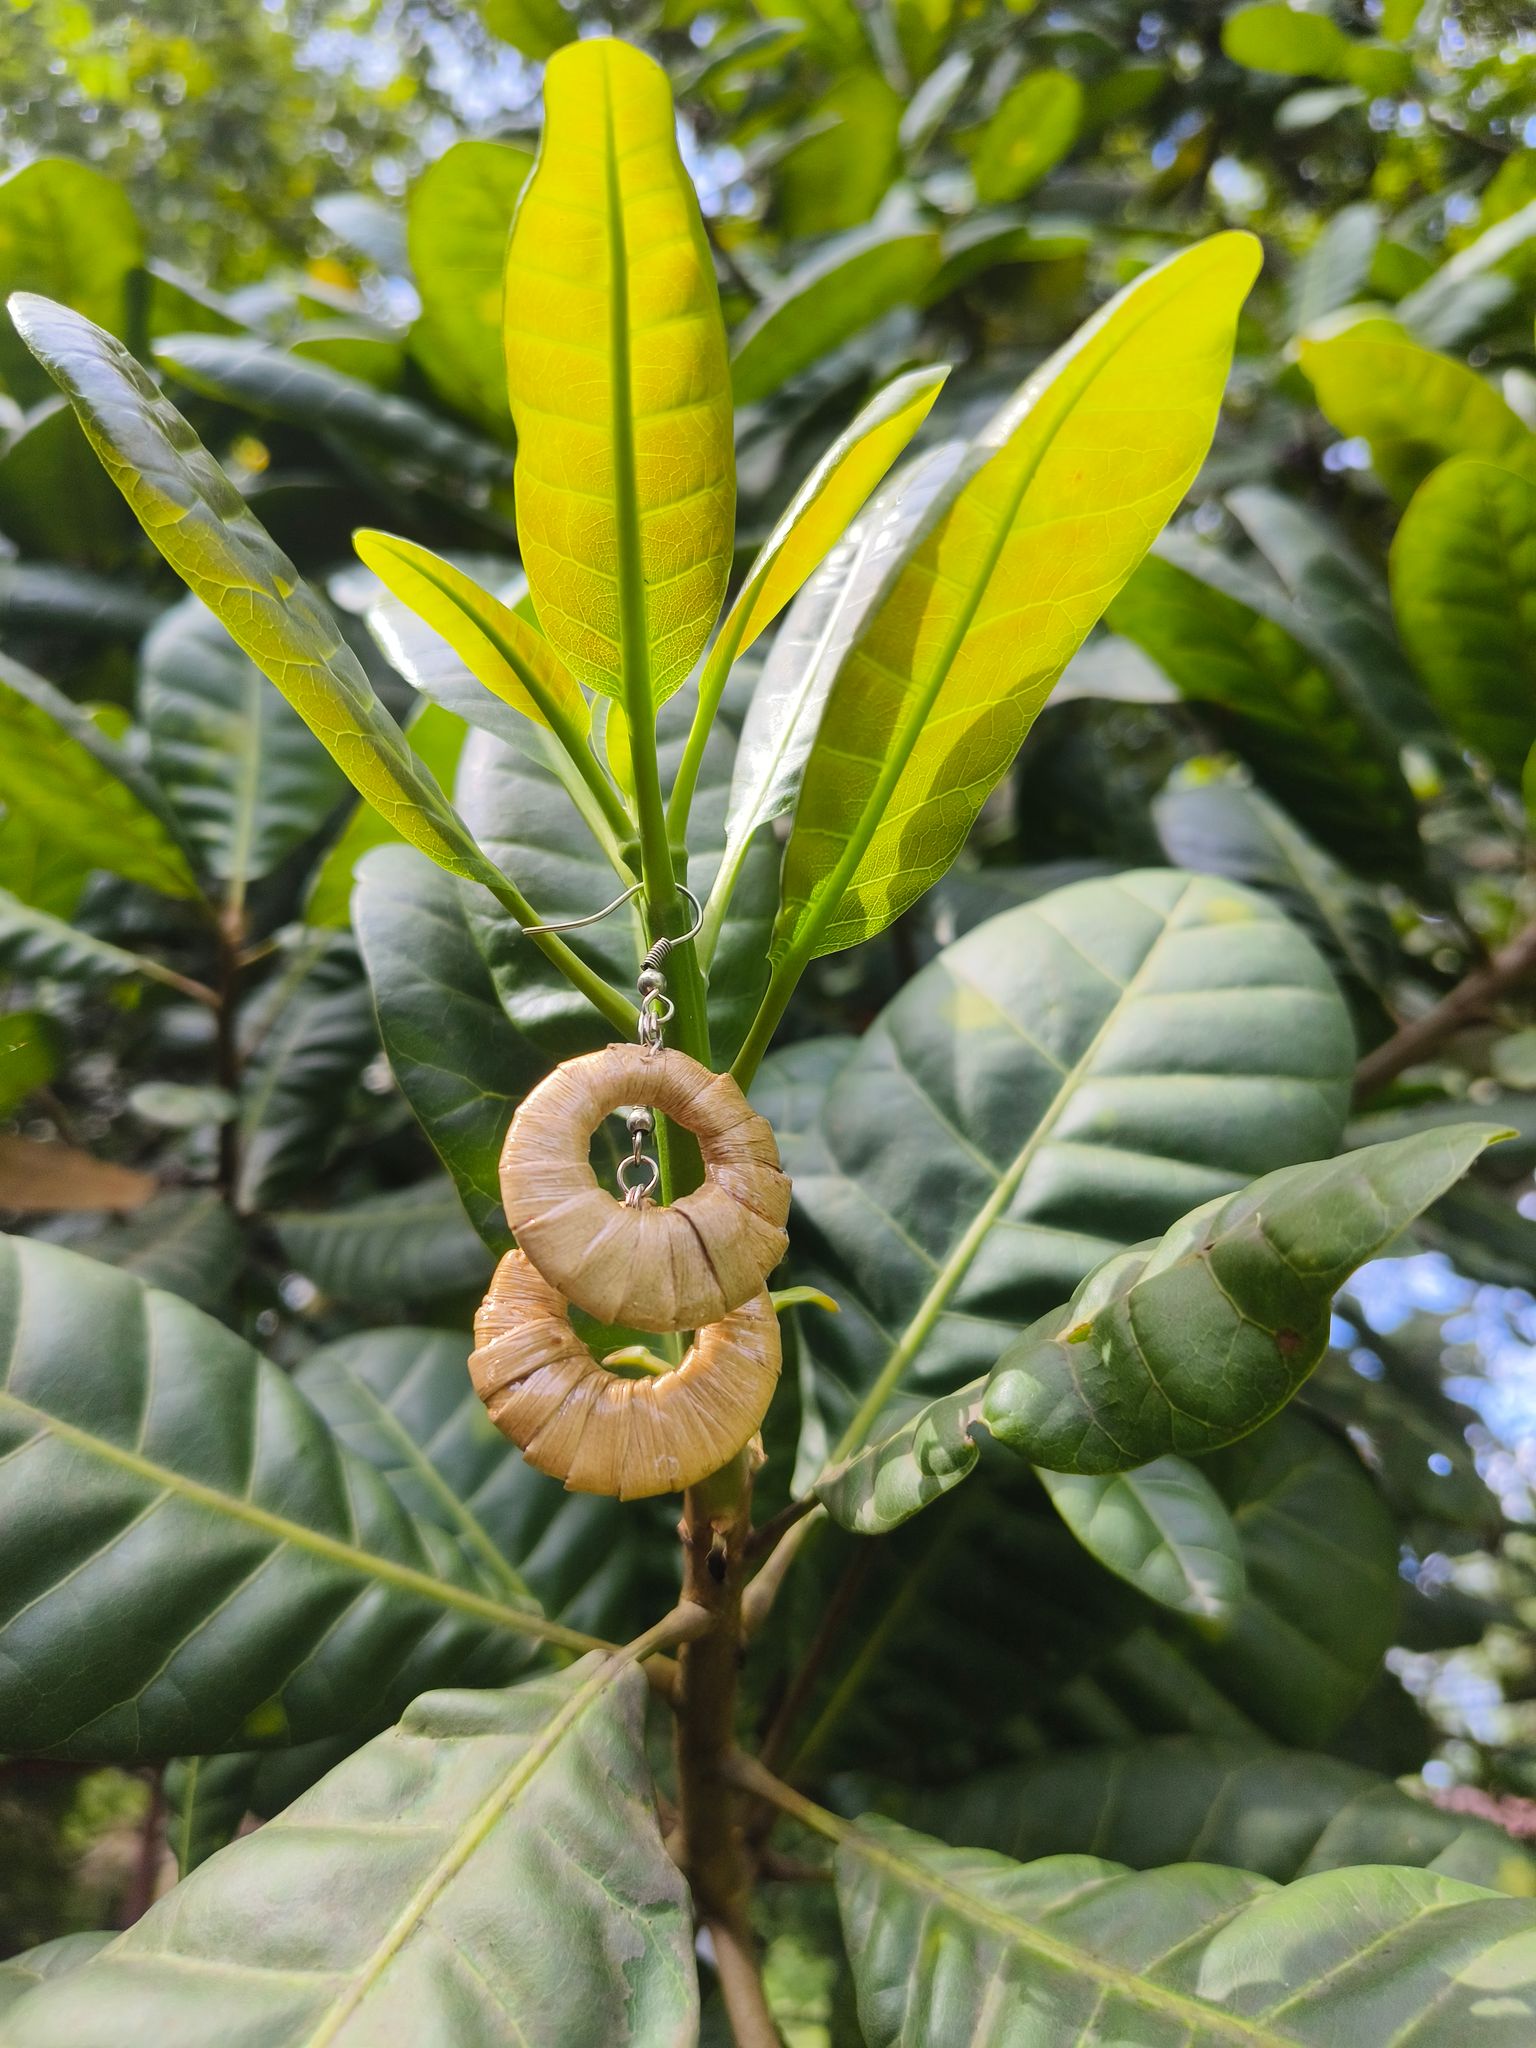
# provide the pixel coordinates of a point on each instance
(841, 291)
(1273, 36)
(1055, 503)
(206, 531)
(620, 390)
(1032, 130)
(66, 782)
(457, 217)
(515, 662)
(827, 501)
(536, 27)
(437, 739)
(1416, 408)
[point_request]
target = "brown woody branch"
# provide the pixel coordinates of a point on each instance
(1470, 1000)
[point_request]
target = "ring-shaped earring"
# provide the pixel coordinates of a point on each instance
(601, 1433)
(647, 1268)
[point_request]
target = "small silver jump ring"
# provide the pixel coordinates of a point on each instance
(635, 1195)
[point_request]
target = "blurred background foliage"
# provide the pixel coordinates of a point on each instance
(1321, 684)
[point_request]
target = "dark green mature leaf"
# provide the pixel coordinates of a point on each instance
(1230, 638)
(1340, 594)
(24, 1973)
(205, 530)
(206, 1799)
(402, 1399)
(1464, 590)
(307, 1037)
(1184, 1345)
(37, 946)
(42, 597)
(457, 218)
(1336, 266)
(246, 777)
(55, 498)
(845, 287)
(962, 1948)
(412, 1244)
(193, 1562)
(66, 779)
(1162, 1528)
(489, 1871)
(184, 1241)
(1178, 1799)
(1321, 1555)
(68, 230)
(1211, 821)
(461, 1063)
(1059, 1082)
(277, 386)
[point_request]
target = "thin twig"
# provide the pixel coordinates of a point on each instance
(822, 1644)
(765, 1536)
(757, 1602)
(741, 1986)
(1472, 998)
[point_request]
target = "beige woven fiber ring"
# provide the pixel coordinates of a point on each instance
(649, 1268)
(602, 1434)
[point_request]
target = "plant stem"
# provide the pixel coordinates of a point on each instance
(717, 668)
(1472, 997)
(781, 986)
(226, 1042)
(716, 1516)
(748, 1775)
(741, 1986)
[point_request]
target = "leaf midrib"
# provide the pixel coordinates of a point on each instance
(469, 1526)
(825, 901)
(469, 1838)
(1189, 2012)
(367, 1563)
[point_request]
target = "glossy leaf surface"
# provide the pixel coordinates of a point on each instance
(981, 614)
(402, 1399)
(1230, 638)
(1181, 1799)
(375, 1902)
(838, 292)
(1060, 1081)
(437, 740)
(194, 1564)
(248, 780)
(620, 392)
(962, 1948)
(461, 1064)
(1184, 1345)
(411, 1244)
(1161, 1527)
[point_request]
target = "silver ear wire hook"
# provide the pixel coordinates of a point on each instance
(656, 1007)
(662, 947)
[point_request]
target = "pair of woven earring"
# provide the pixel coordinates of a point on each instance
(699, 1264)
